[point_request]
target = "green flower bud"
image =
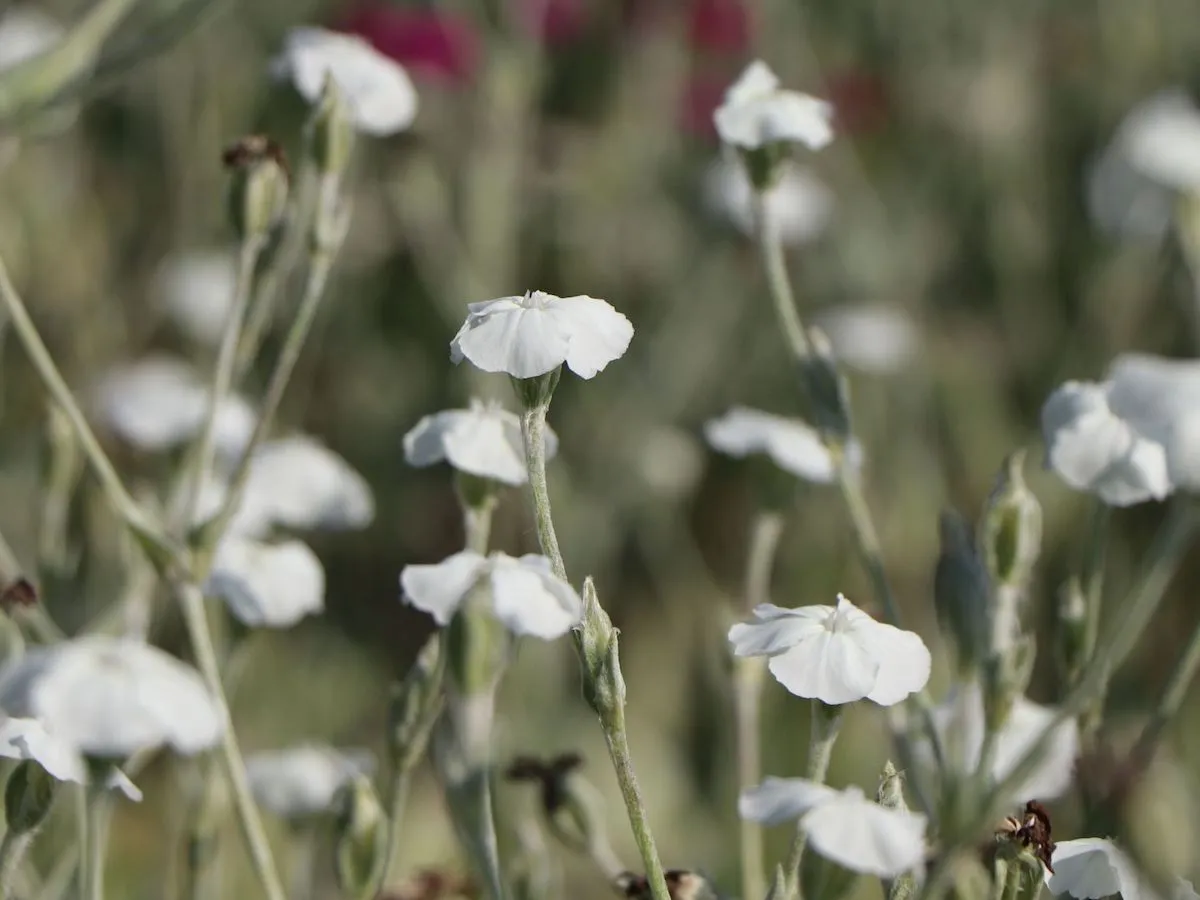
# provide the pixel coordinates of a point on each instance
(362, 835)
(961, 593)
(1011, 530)
(603, 683)
(28, 796)
(330, 137)
(415, 705)
(764, 164)
(258, 189)
(537, 391)
(827, 389)
(890, 794)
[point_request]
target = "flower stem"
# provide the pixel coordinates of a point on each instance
(12, 852)
(775, 266)
(1172, 699)
(1133, 614)
(825, 723)
(99, 814)
(223, 373)
(397, 803)
(748, 672)
(1092, 585)
(191, 601)
(118, 497)
(612, 719)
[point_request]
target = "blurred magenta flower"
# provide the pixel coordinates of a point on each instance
(719, 26)
(434, 45)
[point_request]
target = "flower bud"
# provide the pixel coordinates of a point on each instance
(536, 392)
(960, 593)
(330, 137)
(28, 796)
(827, 389)
(890, 794)
(1011, 530)
(258, 188)
(603, 683)
(778, 889)
(764, 164)
(415, 705)
(361, 829)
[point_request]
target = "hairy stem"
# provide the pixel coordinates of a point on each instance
(12, 852)
(826, 722)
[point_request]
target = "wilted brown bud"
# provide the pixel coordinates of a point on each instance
(20, 594)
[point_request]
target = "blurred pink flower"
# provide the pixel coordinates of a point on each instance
(702, 95)
(555, 22)
(860, 100)
(719, 26)
(435, 46)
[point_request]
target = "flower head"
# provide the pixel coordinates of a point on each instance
(535, 334)
(843, 826)
(434, 44)
(196, 291)
(791, 445)
(112, 697)
(960, 724)
(757, 112)
(160, 402)
(28, 739)
(1131, 438)
(523, 593)
(798, 205)
(378, 90)
(874, 338)
(835, 654)
(304, 781)
(484, 440)
(298, 483)
(267, 585)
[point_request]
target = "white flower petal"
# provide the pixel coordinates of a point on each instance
(1123, 201)
(779, 800)
(596, 333)
(484, 440)
(1161, 139)
(303, 781)
(1160, 399)
(904, 661)
(441, 588)
(113, 697)
(792, 445)
(798, 205)
(1094, 450)
(872, 338)
(161, 402)
(196, 289)
(777, 629)
(756, 112)
(524, 342)
(25, 32)
(828, 667)
(530, 600)
(120, 782)
(863, 836)
(267, 585)
(28, 739)
(377, 89)
(1092, 868)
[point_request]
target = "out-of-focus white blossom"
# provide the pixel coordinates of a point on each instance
(196, 289)
(872, 338)
(791, 444)
(267, 585)
(484, 440)
(757, 112)
(303, 781)
(797, 203)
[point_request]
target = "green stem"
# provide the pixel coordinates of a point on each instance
(397, 803)
(1172, 699)
(118, 497)
(748, 673)
(318, 275)
(1092, 585)
(37, 81)
(775, 267)
(12, 851)
(1114, 645)
(99, 814)
(223, 373)
(533, 431)
(826, 722)
(191, 601)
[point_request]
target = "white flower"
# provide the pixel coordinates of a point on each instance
(196, 289)
(524, 594)
(267, 585)
(1091, 868)
(377, 89)
(843, 826)
(870, 337)
(295, 482)
(791, 445)
(25, 32)
(1129, 439)
(757, 112)
(160, 402)
(28, 739)
(303, 781)
(1155, 153)
(484, 440)
(534, 334)
(798, 205)
(112, 697)
(836, 654)
(960, 725)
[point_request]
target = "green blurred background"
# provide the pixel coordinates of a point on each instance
(571, 157)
